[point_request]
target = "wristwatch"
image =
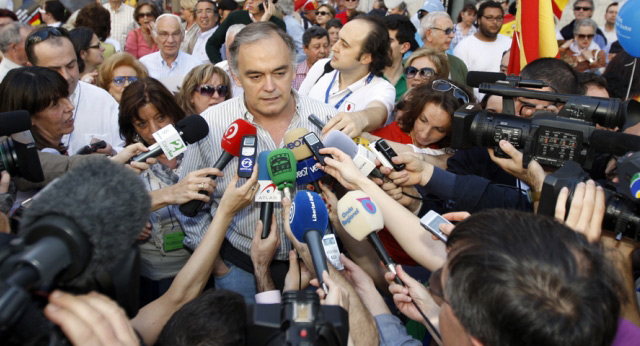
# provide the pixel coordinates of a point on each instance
(592, 60)
(534, 196)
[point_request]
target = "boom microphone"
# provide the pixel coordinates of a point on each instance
(308, 220)
(615, 143)
(14, 122)
(364, 159)
(281, 165)
(231, 145)
(361, 218)
(475, 78)
(191, 129)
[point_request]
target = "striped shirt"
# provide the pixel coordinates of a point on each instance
(205, 152)
(301, 73)
(121, 22)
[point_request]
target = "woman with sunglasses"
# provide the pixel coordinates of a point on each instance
(581, 52)
(139, 41)
(350, 11)
(324, 13)
(89, 52)
(203, 87)
(117, 72)
(423, 64)
(146, 107)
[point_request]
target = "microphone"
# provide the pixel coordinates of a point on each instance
(320, 124)
(306, 171)
(361, 218)
(190, 130)
(475, 78)
(308, 220)
(79, 233)
(231, 144)
(281, 165)
(266, 189)
(615, 143)
(364, 159)
(14, 122)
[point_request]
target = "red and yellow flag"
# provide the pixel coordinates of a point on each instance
(535, 33)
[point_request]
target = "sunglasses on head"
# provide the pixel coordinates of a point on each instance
(43, 35)
(322, 13)
(422, 13)
(424, 72)
(208, 90)
(582, 36)
(444, 86)
(120, 80)
(581, 8)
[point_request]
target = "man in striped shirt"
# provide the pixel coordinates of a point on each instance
(121, 20)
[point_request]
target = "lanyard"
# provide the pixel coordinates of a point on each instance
(326, 96)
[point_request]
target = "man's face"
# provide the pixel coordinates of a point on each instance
(252, 6)
(491, 22)
(582, 10)
(265, 73)
(169, 37)
(347, 51)
(612, 13)
(318, 49)
(205, 16)
(21, 54)
(351, 4)
(397, 49)
(311, 15)
(60, 58)
(437, 38)
(333, 35)
(525, 107)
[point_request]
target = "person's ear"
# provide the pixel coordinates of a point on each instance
(475, 342)
(366, 58)
(405, 47)
(83, 54)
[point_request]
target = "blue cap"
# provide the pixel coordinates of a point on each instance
(432, 6)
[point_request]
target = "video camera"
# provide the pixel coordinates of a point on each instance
(298, 320)
(622, 204)
(18, 153)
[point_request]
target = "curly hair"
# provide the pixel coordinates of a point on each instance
(97, 18)
(105, 74)
(197, 76)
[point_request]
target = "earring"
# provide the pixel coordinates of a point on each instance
(136, 138)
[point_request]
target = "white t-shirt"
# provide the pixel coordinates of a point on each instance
(199, 51)
(355, 97)
(482, 56)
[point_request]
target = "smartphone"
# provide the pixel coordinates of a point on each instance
(247, 156)
(432, 222)
(385, 152)
(314, 144)
(262, 6)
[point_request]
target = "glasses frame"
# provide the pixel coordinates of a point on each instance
(44, 35)
(447, 31)
(582, 8)
(221, 89)
(583, 36)
(409, 73)
(322, 13)
(122, 80)
(493, 19)
(458, 93)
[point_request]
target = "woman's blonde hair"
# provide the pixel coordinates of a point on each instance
(197, 76)
(439, 59)
(105, 73)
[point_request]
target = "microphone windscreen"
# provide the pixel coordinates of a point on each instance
(359, 215)
(282, 168)
(107, 201)
(615, 143)
(308, 213)
(293, 141)
(263, 167)
(337, 139)
(14, 122)
(307, 172)
(474, 78)
(192, 128)
(232, 138)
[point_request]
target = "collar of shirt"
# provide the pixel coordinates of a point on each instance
(207, 33)
(73, 97)
(335, 86)
(173, 64)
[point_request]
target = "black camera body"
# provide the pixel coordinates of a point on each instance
(548, 138)
(298, 320)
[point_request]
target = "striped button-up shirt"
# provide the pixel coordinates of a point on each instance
(205, 152)
(121, 22)
(159, 69)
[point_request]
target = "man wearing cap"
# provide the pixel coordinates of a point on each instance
(428, 6)
(307, 10)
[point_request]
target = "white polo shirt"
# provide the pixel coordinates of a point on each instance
(355, 97)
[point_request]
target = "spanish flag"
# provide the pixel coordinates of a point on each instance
(535, 34)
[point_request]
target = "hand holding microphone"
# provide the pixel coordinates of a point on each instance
(362, 157)
(282, 169)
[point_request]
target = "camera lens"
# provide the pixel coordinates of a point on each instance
(488, 129)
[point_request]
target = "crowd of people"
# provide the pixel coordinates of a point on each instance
(101, 82)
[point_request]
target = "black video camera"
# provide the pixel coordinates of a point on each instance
(622, 214)
(18, 153)
(298, 320)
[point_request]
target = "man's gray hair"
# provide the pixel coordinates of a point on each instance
(286, 6)
(585, 22)
(255, 32)
(429, 21)
(233, 31)
(10, 34)
(171, 15)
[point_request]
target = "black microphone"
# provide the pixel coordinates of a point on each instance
(191, 129)
(14, 122)
(615, 143)
(475, 78)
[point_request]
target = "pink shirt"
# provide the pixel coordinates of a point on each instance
(136, 44)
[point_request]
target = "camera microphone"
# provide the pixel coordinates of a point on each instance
(14, 122)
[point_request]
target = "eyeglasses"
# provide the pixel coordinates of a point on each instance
(582, 36)
(493, 19)
(120, 80)
(95, 46)
(145, 14)
(424, 72)
(209, 90)
(43, 35)
(581, 8)
(322, 13)
(444, 86)
(351, 0)
(447, 31)
(206, 10)
(163, 35)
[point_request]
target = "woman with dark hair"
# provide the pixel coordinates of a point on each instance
(54, 13)
(43, 93)
(146, 107)
(465, 26)
(139, 41)
(204, 86)
(89, 52)
(98, 19)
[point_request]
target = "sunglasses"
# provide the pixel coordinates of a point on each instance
(120, 80)
(322, 13)
(43, 35)
(447, 31)
(209, 90)
(580, 8)
(96, 46)
(425, 72)
(145, 14)
(582, 36)
(444, 86)
(422, 13)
